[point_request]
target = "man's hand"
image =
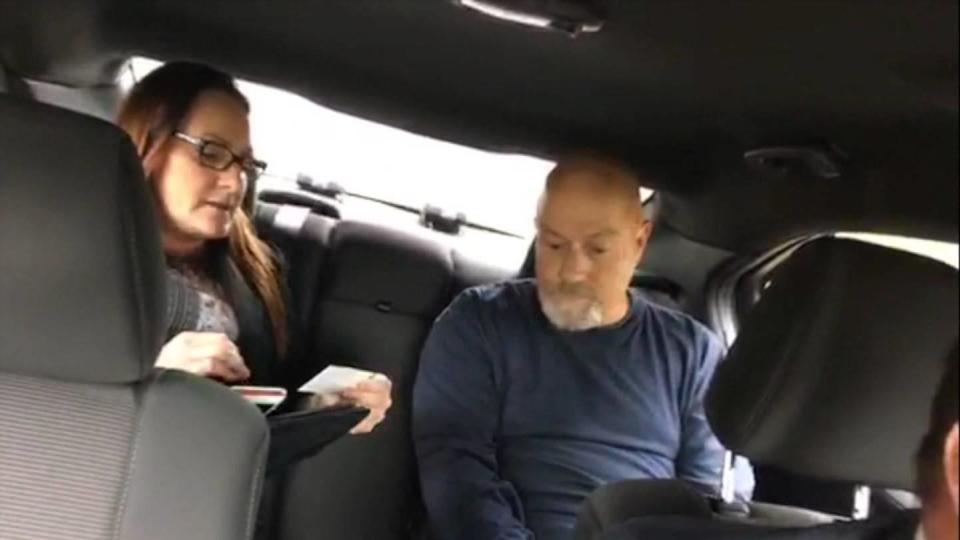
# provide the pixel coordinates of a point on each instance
(205, 354)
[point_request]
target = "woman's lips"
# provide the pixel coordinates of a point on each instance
(224, 207)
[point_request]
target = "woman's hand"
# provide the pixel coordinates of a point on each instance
(374, 395)
(205, 354)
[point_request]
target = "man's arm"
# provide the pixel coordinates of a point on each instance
(701, 456)
(456, 419)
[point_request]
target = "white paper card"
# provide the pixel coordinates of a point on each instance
(336, 379)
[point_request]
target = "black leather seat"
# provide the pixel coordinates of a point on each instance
(367, 297)
(830, 378)
(94, 443)
(380, 294)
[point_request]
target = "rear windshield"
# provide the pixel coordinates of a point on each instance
(297, 136)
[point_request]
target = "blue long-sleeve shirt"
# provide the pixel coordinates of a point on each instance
(517, 423)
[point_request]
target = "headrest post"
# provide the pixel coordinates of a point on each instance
(728, 485)
(862, 502)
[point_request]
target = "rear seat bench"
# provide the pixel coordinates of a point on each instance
(367, 297)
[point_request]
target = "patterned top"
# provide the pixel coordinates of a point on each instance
(216, 314)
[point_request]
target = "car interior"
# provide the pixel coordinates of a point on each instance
(773, 134)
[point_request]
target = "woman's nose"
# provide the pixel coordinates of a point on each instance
(233, 180)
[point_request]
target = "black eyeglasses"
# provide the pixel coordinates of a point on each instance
(217, 156)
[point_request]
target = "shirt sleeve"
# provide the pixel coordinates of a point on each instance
(701, 456)
(456, 419)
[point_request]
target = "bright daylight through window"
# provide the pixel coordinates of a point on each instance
(296, 136)
(941, 251)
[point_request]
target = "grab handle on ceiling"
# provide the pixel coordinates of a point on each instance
(821, 161)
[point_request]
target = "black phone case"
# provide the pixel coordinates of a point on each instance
(295, 436)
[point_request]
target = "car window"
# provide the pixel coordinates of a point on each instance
(297, 136)
(946, 252)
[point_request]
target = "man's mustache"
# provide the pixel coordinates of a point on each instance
(577, 290)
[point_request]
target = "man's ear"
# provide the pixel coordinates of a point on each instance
(642, 239)
(951, 466)
(644, 233)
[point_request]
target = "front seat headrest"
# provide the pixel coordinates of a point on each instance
(81, 270)
(834, 370)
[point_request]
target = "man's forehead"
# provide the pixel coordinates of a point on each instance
(587, 191)
(580, 229)
(596, 207)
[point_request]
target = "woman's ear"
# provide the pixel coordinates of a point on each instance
(951, 466)
(153, 161)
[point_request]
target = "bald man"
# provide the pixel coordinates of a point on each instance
(533, 394)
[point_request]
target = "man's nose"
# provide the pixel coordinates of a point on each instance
(576, 266)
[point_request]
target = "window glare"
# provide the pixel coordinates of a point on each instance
(295, 135)
(941, 251)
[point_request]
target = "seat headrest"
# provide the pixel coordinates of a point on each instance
(388, 270)
(81, 271)
(835, 369)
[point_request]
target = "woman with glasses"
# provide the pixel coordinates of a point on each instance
(189, 123)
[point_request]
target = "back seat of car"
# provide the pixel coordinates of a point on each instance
(366, 297)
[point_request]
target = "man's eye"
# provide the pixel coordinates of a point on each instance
(598, 251)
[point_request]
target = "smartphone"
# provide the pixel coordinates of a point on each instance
(266, 398)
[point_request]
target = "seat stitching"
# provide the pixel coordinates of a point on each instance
(257, 486)
(132, 461)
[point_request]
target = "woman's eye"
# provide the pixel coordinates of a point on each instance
(214, 154)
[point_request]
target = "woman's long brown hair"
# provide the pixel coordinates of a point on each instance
(151, 114)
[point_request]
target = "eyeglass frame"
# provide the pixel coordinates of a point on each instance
(249, 165)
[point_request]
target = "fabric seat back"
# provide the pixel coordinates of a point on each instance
(94, 443)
